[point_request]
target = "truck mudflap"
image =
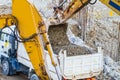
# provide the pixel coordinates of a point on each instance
(81, 66)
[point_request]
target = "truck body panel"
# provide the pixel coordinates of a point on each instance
(81, 66)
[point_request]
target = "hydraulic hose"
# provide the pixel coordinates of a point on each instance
(92, 2)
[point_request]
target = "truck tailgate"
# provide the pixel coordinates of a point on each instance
(80, 66)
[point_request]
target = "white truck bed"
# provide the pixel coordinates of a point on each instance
(81, 66)
(77, 67)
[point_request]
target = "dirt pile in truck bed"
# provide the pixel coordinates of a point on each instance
(59, 40)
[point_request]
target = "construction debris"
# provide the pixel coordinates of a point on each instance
(73, 50)
(111, 68)
(5, 9)
(60, 38)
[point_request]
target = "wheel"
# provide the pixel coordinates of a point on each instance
(5, 67)
(34, 77)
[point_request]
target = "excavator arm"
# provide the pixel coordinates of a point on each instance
(61, 15)
(113, 4)
(30, 27)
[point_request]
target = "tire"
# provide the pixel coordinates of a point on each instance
(5, 67)
(34, 77)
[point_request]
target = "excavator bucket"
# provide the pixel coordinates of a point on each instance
(58, 37)
(59, 40)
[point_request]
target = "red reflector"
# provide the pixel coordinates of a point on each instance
(63, 78)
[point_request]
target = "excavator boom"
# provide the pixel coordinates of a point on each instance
(77, 5)
(30, 26)
(113, 4)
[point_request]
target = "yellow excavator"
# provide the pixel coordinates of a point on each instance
(61, 15)
(29, 29)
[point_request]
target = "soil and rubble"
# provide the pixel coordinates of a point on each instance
(5, 7)
(103, 27)
(111, 70)
(59, 40)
